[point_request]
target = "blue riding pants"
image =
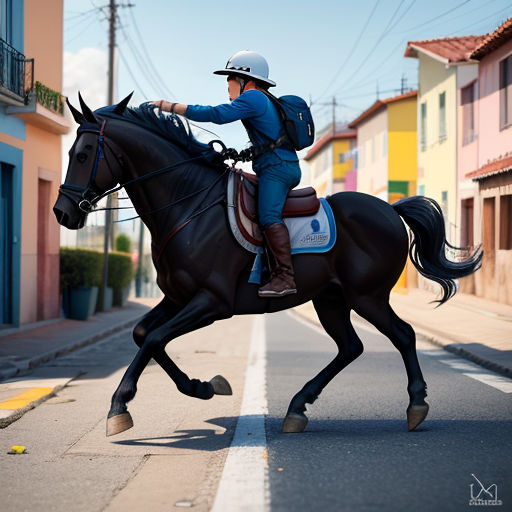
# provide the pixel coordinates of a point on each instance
(275, 181)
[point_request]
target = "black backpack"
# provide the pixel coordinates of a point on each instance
(296, 118)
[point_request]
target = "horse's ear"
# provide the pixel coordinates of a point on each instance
(121, 106)
(77, 115)
(88, 113)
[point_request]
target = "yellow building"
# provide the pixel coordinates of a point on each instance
(444, 67)
(31, 125)
(387, 151)
(386, 148)
(331, 161)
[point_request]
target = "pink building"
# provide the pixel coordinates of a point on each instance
(486, 108)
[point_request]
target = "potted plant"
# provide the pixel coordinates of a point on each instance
(120, 274)
(80, 276)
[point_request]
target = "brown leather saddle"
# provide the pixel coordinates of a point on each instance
(300, 202)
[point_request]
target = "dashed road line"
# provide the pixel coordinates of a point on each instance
(472, 370)
(244, 481)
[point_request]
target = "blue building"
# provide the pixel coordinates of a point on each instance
(31, 125)
(12, 133)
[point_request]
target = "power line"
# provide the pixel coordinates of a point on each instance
(149, 60)
(349, 54)
(125, 62)
(435, 17)
(76, 36)
(483, 19)
(381, 37)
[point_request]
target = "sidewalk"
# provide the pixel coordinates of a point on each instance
(30, 346)
(477, 329)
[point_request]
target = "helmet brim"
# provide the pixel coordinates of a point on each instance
(236, 72)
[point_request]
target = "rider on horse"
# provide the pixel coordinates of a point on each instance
(277, 168)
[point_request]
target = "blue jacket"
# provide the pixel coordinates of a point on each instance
(260, 117)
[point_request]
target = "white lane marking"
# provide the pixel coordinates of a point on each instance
(473, 370)
(491, 379)
(244, 481)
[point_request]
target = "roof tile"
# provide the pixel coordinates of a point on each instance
(453, 49)
(493, 41)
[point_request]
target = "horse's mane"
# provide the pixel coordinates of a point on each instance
(168, 126)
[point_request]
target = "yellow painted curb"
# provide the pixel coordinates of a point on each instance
(20, 401)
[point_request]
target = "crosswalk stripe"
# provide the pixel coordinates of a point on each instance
(472, 370)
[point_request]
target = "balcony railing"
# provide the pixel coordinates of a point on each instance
(16, 72)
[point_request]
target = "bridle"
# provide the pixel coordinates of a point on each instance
(87, 197)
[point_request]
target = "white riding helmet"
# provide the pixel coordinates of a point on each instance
(247, 64)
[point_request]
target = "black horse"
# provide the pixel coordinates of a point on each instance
(178, 189)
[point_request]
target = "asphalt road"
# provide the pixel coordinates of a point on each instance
(357, 454)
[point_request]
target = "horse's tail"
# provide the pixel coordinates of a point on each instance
(428, 247)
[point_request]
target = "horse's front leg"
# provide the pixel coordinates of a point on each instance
(201, 311)
(163, 312)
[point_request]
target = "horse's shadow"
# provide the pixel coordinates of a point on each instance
(392, 431)
(204, 439)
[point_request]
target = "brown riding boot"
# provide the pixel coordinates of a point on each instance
(282, 280)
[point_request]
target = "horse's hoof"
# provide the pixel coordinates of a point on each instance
(294, 423)
(221, 385)
(415, 415)
(119, 423)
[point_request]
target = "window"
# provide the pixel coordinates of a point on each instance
(421, 190)
(506, 92)
(6, 20)
(341, 158)
(444, 204)
(442, 116)
(423, 127)
(467, 98)
(506, 222)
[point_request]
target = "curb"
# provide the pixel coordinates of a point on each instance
(18, 413)
(449, 346)
(28, 364)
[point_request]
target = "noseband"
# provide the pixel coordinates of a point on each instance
(88, 196)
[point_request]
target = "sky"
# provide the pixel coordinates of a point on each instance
(317, 50)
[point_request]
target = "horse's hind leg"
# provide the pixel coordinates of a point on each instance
(381, 315)
(195, 388)
(199, 312)
(334, 315)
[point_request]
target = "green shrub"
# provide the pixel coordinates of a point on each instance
(123, 243)
(120, 269)
(80, 267)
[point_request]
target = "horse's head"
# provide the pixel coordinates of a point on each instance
(93, 167)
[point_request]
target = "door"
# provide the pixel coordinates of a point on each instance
(6, 242)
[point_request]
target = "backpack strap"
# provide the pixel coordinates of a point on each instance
(258, 149)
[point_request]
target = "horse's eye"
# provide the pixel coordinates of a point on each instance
(81, 157)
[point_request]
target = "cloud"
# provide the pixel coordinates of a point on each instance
(86, 71)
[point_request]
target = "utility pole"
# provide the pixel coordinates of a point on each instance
(334, 115)
(138, 275)
(112, 14)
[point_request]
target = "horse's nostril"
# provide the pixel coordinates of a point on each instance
(61, 216)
